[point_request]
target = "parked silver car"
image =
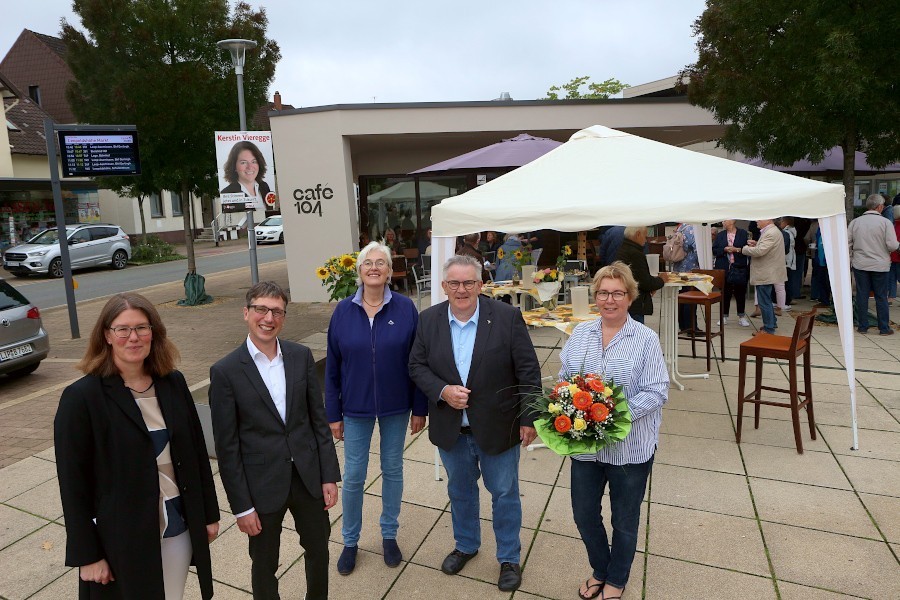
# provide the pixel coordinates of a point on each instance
(270, 230)
(90, 245)
(23, 341)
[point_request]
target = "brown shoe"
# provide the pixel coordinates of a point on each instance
(756, 313)
(777, 312)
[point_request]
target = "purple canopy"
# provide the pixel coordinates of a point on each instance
(513, 152)
(833, 161)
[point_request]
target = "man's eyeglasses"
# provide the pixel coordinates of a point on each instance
(125, 332)
(262, 310)
(380, 263)
(468, 284)
(617, 295)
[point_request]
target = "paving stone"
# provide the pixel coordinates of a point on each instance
(420, 582)
(784, 464)
(872, 475)
(33, 562)
(669, 579)
(16, 524)
(886, 512)
(694, 488)
(708, 454)
(42, 500)
(24, 475)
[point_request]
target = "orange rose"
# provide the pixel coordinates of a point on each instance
(560, 385)
(562, 423)
(596, 385)
(599, 411)
(581, 400)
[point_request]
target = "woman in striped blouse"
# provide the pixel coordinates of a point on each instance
(621, 349)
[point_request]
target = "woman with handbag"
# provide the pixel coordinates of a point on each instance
(727, 250)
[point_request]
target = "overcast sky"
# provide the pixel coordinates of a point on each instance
(351, 51)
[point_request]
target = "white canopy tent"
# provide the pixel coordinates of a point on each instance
(589, 181)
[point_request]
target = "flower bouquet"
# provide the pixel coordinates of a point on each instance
(581, 415)
(338, 274)
(564, 255)
(547, 283)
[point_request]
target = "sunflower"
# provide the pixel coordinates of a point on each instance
(322, 273)
(518, 254)
(347, 261)
(500, 253)
(567, 250)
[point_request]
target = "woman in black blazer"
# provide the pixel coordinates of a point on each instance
(727, 250)
(134, 475)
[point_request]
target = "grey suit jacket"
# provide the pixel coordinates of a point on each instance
(257, 451)
(504, 371)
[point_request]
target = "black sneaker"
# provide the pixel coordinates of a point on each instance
(510, 577)
(392, 555)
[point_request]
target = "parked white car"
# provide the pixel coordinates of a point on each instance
(270, 230)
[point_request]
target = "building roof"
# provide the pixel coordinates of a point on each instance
(25, 121)
(36, 63)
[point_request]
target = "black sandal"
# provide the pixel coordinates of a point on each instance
(605, 597)
(589, 595)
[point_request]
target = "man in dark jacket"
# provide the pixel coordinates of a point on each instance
(470, 248)
(631, 252)
(610, 242)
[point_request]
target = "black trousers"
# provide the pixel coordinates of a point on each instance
(313, 529)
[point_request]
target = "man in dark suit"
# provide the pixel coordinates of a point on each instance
(470, 248)
(273, 443)
(474, 360)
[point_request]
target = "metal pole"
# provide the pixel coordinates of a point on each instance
(50, 135)
(251, 231)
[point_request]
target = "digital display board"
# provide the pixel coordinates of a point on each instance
(99, 153)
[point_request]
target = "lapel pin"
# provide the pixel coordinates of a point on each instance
(489, 321)
(390, 322)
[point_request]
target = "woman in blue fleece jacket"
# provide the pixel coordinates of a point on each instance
(367, 380)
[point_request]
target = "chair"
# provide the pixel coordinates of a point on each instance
(423, 285)
(767, 345)
(426, 263)
(536, 255)
(698, 298)
(400, 271)
(411, 255)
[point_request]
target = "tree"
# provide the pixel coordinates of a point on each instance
(154, 63)
(794, 79)
(596, 91)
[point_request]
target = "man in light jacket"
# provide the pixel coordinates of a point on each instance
(872, 239)
(767, 268)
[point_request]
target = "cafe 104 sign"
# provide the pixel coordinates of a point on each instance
(246, 170)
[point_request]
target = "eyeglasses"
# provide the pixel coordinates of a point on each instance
(124, 332)
(380, 263)
(277, 313)
(616, 295)
(468, 284)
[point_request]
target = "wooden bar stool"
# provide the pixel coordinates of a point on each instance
(698, 298)
(766, 345)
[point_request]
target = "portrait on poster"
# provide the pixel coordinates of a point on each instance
(246, 170)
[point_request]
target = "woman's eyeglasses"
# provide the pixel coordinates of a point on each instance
(262, 310)
(468, 284)
(616, 295)
(125, 332)
(380, 263)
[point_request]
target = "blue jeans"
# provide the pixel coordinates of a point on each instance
(794, 281)
(893, 277)
(820, 287)
(357, 439)
(871, 281)
(627, 484)
(465, 462)
(766, 307)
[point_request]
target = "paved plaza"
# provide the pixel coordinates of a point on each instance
(720, 521)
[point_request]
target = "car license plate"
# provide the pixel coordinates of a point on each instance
(13, 264)
(16, 352)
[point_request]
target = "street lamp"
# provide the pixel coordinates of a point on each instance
(238, 49)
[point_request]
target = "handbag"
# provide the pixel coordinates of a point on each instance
(737, 275)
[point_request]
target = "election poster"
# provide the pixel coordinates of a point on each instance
(246, 170)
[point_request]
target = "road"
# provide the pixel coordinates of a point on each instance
(102, 281)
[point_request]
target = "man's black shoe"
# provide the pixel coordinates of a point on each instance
(455, 561)
(510, 577)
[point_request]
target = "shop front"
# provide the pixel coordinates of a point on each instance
(26, 207)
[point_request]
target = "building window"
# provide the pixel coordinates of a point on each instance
(34, 92)
(176, 204)
(156, 210)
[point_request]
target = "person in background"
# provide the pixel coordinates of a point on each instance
(690, 262)
(363, 240)
(424, 244)
(491, 242)
(727, 253)
(767, 268)
(505, 267)
(820, 287)
(631, 252)
(367, 381)
(894, 275)
(609, 244)
(780, 289)
(134, 476)
(470, 248)
(792, 286)
(871, 242)
(801, 250)
(618, 348)
(392, 242)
